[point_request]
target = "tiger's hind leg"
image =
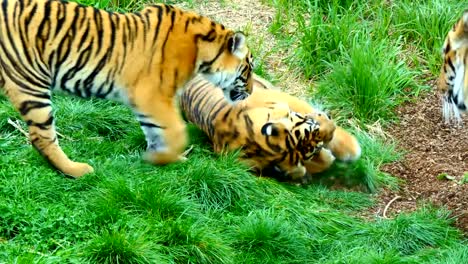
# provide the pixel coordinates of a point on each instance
(164, 131)
(344, 145)
(37, 112)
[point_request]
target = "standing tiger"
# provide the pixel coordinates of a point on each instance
(275, 131)
(141, 59)
(453, 79)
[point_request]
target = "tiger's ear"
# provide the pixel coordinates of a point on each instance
(237, 45)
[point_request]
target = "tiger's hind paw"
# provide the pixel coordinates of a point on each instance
(163, 158)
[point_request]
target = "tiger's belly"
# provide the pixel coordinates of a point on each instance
(87, 84)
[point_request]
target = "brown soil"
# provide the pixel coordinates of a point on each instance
(432, 148)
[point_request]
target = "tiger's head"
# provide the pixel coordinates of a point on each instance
(298, 138)
(228, 66)
(327, 126)
(453, 79)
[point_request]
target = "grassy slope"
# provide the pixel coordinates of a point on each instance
(207, 210)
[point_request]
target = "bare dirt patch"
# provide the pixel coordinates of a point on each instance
(432, 148)
(254, 17)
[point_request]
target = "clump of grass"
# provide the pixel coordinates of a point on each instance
(425, 25)
(21, 223)
(122, 246)
(165, 203)
(23, 256)
(147, 199)
(451, 254)
(267, 237)
(287, 10)
(343, 5)
(322, 37)
(325, 28)
(260, 66)
(368, 83)
(409, 233)
(114, 123)
(222, 184)
(376, 151)
(284, 11)
(193, 242)
(366, 255)
(342, 200)
(319, 220)
(400, 237)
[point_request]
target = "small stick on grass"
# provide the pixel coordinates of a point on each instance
(63, 136)
(388, 205)
(18, 126)
(210, 14)
(186, 152)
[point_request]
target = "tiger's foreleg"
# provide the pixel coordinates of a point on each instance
(321, 162)
(37, 112)
(164, 130)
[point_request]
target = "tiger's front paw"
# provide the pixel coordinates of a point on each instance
(297, 173)
(77, 169)
(163, 158)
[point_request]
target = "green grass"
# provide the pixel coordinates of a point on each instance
(211, 209)
(367, 57)
(375, 54)
(323, 38)
(372, 78)
(425, 26)
(365, 171)
(207, 210)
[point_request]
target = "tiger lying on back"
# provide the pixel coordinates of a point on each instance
(276, 131)
(141, 59)
(453, 80)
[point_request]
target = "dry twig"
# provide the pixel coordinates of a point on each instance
(212, 14)
(388, 205)
(18, 126)
(187, 151)
(63, 136)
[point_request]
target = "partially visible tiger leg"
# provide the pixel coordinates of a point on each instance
(37, 112)
(321, 162)
(344, 146)
(164, 130)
